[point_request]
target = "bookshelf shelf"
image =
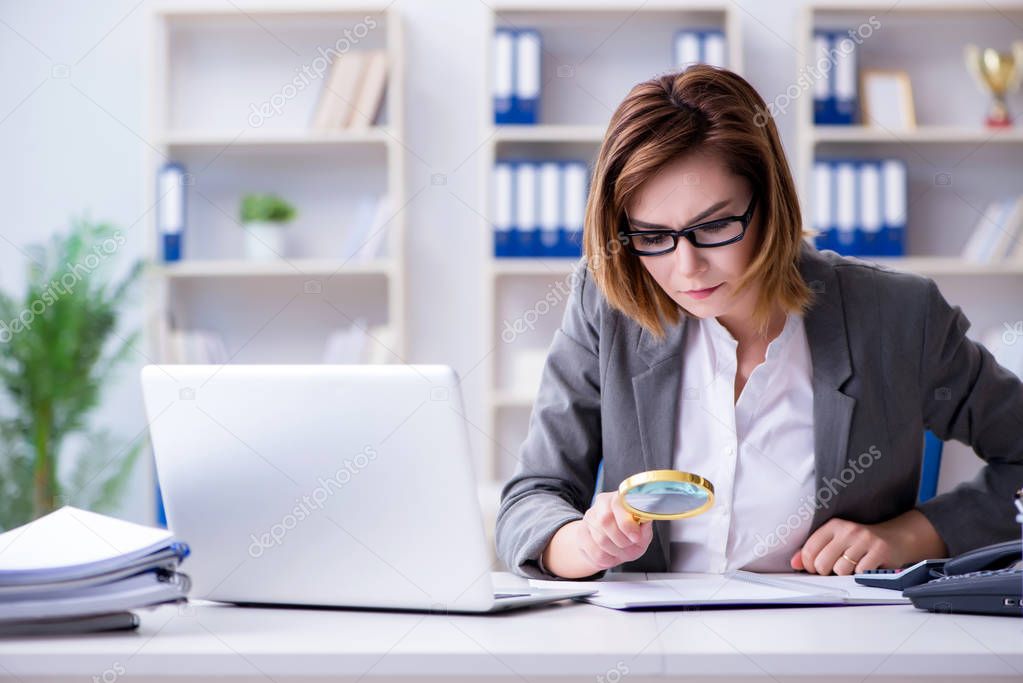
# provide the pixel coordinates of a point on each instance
(609, 49)
(920, 135)
(284, 268)
(941, 265)
(279, 138)
(200, 10)
(556, 133)
(541, 267)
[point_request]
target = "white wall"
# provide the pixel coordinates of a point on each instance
(75, 144)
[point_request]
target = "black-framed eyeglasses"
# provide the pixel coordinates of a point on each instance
(715, 233)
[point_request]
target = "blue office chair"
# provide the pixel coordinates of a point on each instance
(599, 486)
(928, 476)
(931, 467)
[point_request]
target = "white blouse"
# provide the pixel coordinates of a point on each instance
(758, 452)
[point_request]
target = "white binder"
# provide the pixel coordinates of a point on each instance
(526, 205)
(503, 214)
(714, 49)
(527, 73)
(504, 51)
(550, 204)
(845, 205)
(870, 206)
(823, 202)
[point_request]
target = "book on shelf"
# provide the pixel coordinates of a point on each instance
(192, 346)
(539, 208)
(367, 229)
(370, 97)
(353, 91)
(835, 88)
(859, 206)
(998, 234)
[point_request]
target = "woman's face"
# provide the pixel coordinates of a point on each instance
(697, 188)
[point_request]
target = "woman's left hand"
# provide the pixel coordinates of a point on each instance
(845, 547)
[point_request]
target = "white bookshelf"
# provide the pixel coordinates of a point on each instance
(607, 50)
(926, 40)
(209, 62)
(949, 142)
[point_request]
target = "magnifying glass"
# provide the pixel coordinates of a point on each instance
(666, 494)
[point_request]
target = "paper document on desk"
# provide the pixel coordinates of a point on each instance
(141, 590)
(75, 571)
(70, 544)
(738, 589)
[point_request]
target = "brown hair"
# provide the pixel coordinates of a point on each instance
(713, 111)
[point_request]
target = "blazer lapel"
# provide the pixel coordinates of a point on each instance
(656, 389)
(828, 340)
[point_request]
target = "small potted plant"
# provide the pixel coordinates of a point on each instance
(264, 218)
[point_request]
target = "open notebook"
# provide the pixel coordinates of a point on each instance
(736, 589)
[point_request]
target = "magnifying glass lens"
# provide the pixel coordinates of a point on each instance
(666, 497)
(666, 494)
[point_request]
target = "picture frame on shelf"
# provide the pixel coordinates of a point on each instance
(887, 99)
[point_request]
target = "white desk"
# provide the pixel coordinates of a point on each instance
(562, 642)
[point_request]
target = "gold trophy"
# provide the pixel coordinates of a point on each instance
(998, 73)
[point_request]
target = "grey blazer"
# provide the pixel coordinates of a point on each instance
(890, 359)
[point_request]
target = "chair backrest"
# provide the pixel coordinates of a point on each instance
(599, 485)
(931, 467)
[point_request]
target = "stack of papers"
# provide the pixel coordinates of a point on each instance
(735, 589)
(75, 571)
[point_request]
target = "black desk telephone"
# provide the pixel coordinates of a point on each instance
(982, 581)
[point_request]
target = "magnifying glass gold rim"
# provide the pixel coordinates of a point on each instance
(664, 475)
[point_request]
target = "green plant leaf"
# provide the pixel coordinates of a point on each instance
(61, 349)
(266, 208)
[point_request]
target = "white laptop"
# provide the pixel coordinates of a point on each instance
(329, 485)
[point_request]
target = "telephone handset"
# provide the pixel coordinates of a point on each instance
(987, 580)
(997, 556)
(981, 581)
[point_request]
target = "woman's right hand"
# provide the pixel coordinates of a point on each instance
(605, 537)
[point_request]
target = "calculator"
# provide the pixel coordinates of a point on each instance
(901, 579)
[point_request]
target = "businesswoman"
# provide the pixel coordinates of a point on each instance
(703, 333)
